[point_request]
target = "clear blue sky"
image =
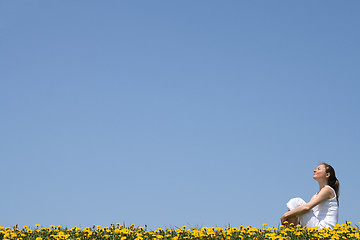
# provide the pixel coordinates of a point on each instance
(171, 113)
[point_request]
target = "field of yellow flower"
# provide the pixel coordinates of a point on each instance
(120, 232)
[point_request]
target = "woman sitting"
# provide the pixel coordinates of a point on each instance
(322, 210)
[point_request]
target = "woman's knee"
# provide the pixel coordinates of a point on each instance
(294, 202)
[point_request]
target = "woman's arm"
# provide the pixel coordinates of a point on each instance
(324, 194)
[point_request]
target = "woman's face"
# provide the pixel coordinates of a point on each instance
(320, 172)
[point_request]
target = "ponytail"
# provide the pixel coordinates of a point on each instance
(333, 181)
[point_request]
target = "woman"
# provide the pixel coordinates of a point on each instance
(322, 210)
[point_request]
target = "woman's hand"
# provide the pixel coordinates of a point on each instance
(283, 218)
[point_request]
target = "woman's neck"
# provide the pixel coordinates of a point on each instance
(322, 184)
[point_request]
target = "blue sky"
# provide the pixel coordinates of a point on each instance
(172, 113)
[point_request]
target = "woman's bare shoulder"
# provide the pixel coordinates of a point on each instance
(330, 191)
(326, 191)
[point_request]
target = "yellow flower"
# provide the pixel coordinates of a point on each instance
(343, 231)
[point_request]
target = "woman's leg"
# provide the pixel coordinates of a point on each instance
(309, 220)
(306, 220)
(294, 220)
(294, 203)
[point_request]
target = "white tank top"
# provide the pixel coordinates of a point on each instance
(327, 211)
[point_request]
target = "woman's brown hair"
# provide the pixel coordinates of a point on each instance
(332, 181)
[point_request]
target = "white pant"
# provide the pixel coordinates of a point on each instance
(308, 219)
